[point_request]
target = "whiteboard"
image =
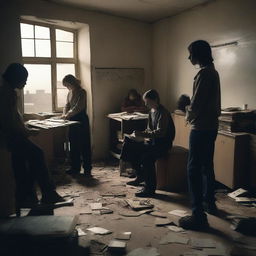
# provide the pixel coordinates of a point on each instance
(110, 86)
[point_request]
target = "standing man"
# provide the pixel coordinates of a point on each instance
(27, 159)
(202, 114)
(158, 136)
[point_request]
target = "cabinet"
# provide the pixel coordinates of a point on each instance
(231, 157)
(119, 126)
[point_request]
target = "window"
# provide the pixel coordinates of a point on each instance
(49, 53)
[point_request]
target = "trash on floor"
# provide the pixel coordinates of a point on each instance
(162, 222)
(158, 214)
(179, 213)
(175, 228)
(123, 235)
(99, 231)
(97, 247)
(96, 206)
(105, 210)
(80, 232)
(117, 246)
(173, 238)
(139, 204)
(129, 213)
(237, 193)
(114, 194)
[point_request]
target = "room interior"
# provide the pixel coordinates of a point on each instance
(142, 44)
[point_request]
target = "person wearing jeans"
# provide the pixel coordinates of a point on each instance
(155, 142)
(202, 115)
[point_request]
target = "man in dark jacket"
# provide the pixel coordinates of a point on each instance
(27, 159)
(156, 140)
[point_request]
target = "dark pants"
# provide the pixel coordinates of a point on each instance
(80, 144)
(201, 176)
(29, 166)
(142, 158)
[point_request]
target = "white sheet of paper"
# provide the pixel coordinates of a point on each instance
(99, 231)
(80, 232)
(175, 228)
(179, 213)
(96, 206)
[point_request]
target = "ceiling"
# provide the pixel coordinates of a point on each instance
(143, 10)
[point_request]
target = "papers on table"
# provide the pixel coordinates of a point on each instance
(50, 123)
(128, 116)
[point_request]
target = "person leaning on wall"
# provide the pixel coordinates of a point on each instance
(79, 135)
(202, 114)
(28, 161)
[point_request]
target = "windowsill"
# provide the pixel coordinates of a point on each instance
(40, 115)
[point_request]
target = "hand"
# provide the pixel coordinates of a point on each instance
(63, 117)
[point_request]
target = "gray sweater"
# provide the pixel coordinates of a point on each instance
(205, 107)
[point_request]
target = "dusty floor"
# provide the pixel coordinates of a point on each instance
(145, 233)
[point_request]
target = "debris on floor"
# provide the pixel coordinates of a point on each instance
(129, 213)
(162, 222)
(97, 247)
(158, 214)
(80, 232)
(96, 206)
(123, 236)
(114, 194)
(238, 193)
(139, 204)
(173, 238)
(117, 246)
(179, 213)
(175, 228)
(99, 231)
(144, 252)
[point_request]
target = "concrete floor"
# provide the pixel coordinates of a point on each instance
(144, 232)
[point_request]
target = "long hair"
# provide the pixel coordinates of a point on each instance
(201, 51)
(72, 80)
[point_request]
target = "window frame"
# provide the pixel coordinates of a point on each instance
(53, 60)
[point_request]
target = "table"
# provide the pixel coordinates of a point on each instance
(121, 123)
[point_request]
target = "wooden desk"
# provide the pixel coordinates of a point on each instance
(119, 125)
(231, 157)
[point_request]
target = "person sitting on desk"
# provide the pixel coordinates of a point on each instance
(28, 161)
(79, 135)
(133, 103)
(143, 148)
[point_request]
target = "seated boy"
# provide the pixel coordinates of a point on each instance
(158, 138)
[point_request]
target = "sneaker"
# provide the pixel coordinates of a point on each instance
(194, 222)
(135, 182)
(52, 198)
(145, 193)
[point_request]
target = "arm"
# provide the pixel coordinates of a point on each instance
(11, 120)
(161, 129)
(199, 98)
(79, 105)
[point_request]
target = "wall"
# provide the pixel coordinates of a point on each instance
(219, 21)
(114, 42)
